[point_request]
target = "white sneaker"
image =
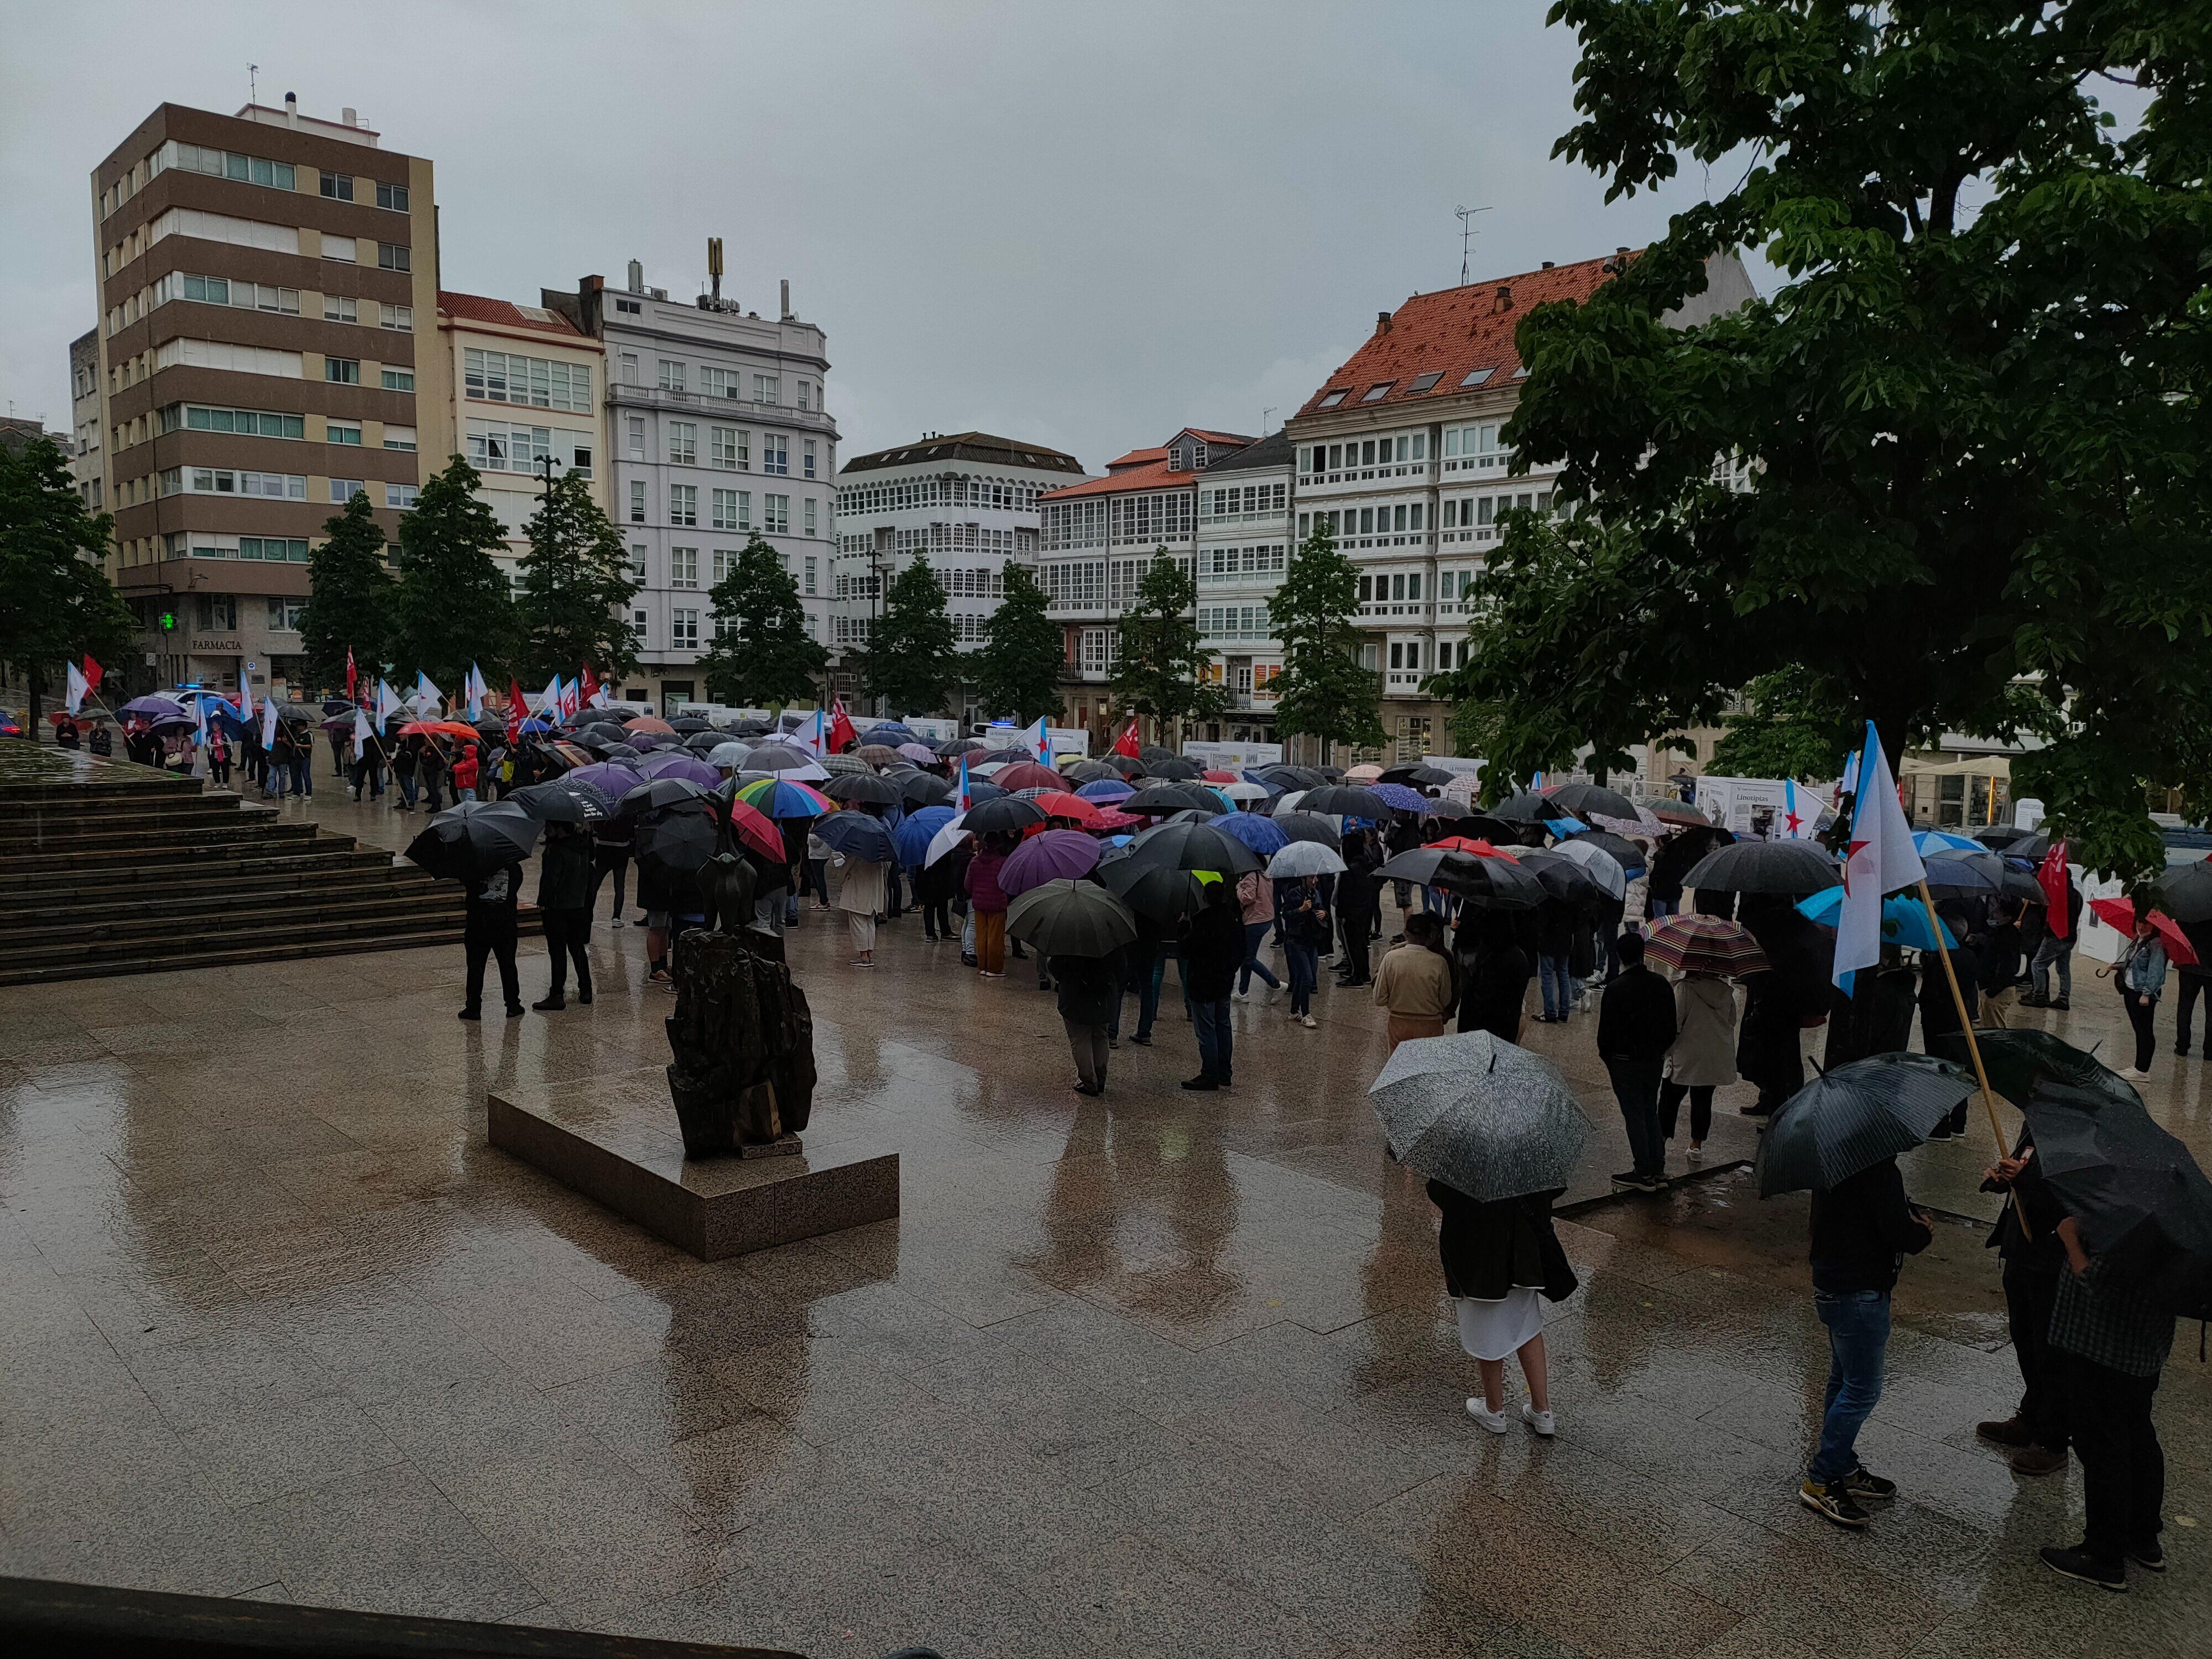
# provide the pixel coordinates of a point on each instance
(1273, 992)
(1696, 1155)
(1311, 1023)
(2135, 1076)
(1494, 1421)
(1240, 996)
(1540, 1421)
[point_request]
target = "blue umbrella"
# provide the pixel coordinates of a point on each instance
(890, 733)
(1106, 791)
(1926, 841)
(1904, 920)
(1263, 836)
(856, 835)
(980, 790)
(217, 710)
(1403, 799)
(920, 828)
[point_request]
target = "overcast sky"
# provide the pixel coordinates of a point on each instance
(1084, 226)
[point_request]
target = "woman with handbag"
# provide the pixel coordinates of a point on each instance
(2141, 972)
(1502, 1262)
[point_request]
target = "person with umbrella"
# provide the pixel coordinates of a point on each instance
(1706, 950)
(1359, 908)
(1635, 1029)
(1419, 981)
(2054, 952)
(1307, 929)
(405, 759)
(1213, 948)
(987, 900)
(488, 928)
(564, 900)
(430, 765)
(2140, 974)
(1495, 992)
(1255, 901)
(2034, 1437)
(860, 895)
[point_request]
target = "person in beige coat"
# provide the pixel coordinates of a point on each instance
(1418, 983)
(862, 898)
(1703, 1057)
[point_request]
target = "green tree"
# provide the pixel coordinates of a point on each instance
(452, 605)
(1791, 726)
(56, 602)
(349, 597)
(1323, 691)
(1161, 664)
(912, 660)
(761, 657)
(1017, 670)
(1953, 467)
(576, 589)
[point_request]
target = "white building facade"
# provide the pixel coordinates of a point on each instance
(965, 502)
(1241, 547)
(718, 430)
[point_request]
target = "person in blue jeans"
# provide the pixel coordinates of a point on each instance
(1256, 895)
(1862, 1228)
(1555, 930)
(1213, 950)
(1635, 1029)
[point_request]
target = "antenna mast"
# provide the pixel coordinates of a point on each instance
(1466, 237)
(252, 86)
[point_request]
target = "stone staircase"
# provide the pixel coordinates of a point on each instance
(107, 867)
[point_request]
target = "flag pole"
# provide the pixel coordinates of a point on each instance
(1973, 1048)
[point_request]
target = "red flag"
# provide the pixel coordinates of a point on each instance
(93, 670)
(353, 677)
(1127, 743)
(517, 707)
(2052, 876)
(840, 729)
(591, 683)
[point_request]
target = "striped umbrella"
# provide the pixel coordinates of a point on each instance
(1704, 944)
(777, 798)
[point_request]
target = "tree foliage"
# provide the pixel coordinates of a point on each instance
(452, 605)
(56, 602)
(1017, 670)
(1977, 402)
(1323, 691)
(762, 657)
(349, 597)
(912, 660)
(576, 589)
(1161, 668)
(1790, 726)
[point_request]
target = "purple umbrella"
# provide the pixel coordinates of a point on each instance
(341, 723)
(152, 708)
(1398, 796)
(644, 740)
(1055, 855)
(1106, 791)
(920, 753)
(675, 763)
(609, 777)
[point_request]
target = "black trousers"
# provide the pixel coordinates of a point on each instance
(2141, 1011)
(2030, 1292)
(937, 919)
(2123, 1465)
(1701, 1107)
(2184, 1007)
(567, 935)
(1355, 926)
(606, 861)
(487, 936)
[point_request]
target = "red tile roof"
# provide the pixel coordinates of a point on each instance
(477, 308)
(1137, 457)
(1453, 332)
(1150, 475)
(1201, 433)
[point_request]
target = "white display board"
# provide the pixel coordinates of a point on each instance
(1233, 756)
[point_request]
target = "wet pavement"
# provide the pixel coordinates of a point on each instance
(1158, 1373)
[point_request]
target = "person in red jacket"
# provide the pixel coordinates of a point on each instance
(465, 774)
(989, 900)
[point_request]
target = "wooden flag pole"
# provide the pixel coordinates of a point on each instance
(1973, 1048)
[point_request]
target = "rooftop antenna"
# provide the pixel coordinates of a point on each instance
(1264, 414)
(1466, 237)
(252, 86)
(715, 266)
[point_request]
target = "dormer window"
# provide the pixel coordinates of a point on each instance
(1477, 376)
(1424, 382)
(1379, 390)
(1331, 400)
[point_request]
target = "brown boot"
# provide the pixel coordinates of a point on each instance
(2036, 1460)
(2013, 1431)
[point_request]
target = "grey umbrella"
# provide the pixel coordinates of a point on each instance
(1851, 1118)
(1487, 1118)
(1070, 918)
(1796, 868)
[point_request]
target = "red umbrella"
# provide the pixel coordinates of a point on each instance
(1028, 774)
(1219, 777)
(1474, 847)
(438, 729)
(758, 831)
(1112, 817)
(1060, 804)
(2121, 913)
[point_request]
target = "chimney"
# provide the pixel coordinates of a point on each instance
(349, 116)
(787, 299)
(1382, 322)
(636, 277)
(1505, 297)
(1548, 264)
(292, 108)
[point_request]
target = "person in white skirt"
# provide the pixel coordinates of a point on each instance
(1502, 1262)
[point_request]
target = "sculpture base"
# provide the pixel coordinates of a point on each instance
(613, 1139)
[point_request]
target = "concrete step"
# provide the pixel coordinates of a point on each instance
(385, 937)
(201, 873)
(77, 836)
(186, 848)
(234, 925)
(189, 900)
(21, 819)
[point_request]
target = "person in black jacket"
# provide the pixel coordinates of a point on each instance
(1500, 1258)
(1863, 1227)
(1358, 900)
(489, 929)
(1554, 926)
(1212, 951)
(564, 898)
(1496, 989)
(2034, 1437)
(1635, 1029)
(1088, 992)
(2195, 980)
(2056, 952)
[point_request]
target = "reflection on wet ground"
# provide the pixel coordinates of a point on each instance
(1158, 1373)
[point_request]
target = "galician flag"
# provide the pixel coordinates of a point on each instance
(549, 700)
(244, 696)
(199, 721)
(363, 733)
(965, 799)
(571, 699)
(812, 736)
(79, 687)
(1038, 740)
(387, 701)
(269, 723)
(1881, 860)
(427, 696)
(473, 688)
(1800, 814)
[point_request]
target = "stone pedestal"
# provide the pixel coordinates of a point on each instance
(613, 1139)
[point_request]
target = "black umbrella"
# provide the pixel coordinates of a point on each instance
(1087, 771)
(1192, 845)
(1418, 776)
(1071, 919)
(624, 751)
(2143, 1204)
(687, 725)
(562, 802)
(920, 789)
(1127, 765)
(862, 787)
(2001, 835)
(1153, 752)
(1175, 769)
(1347, 800)
(670, 848)
(1851, 1118)
(1796, 868)
(1007, 812)
(1562, 878)
(1481, 825)
(1527, 808)
(621, 714)
(1623, 851)
(1152, 890)
(705, 742)
(778, 758)
(1955, 871)
(1499, 883)
(337, 706)
(1582, 800)
(2022, 1060)
(2185, 892)
(1308, 826)
(748, 728)
(474, 838)
(295, 714)
(1157, 800)
(661, 793)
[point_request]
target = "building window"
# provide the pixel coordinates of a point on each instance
(284, 614)
(637, 561)
(684, 443)
(339, 186)
(391, 196)
(764, 389)
(810, 516)
(637, 501)
(727, 447)
(401, 496)
(775, 514)
(721, 383)
(810, 574)
(683, 628)
(733, 509)
(637, 620)
(684, 504)
(671, 375)
(399, 437)
(775, 454)
(336, 434)
(256, 422)
(725, 566)
(394, 256)
(809, 452)
(397, 317)
(345, 490)
(684, 567)
(344, 371)
(629, 368)
(503, 377)
(399, 379)
(637, 437)
(340, 308)
(340, 248)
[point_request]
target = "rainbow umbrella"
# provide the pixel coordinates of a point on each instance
(775, 798)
